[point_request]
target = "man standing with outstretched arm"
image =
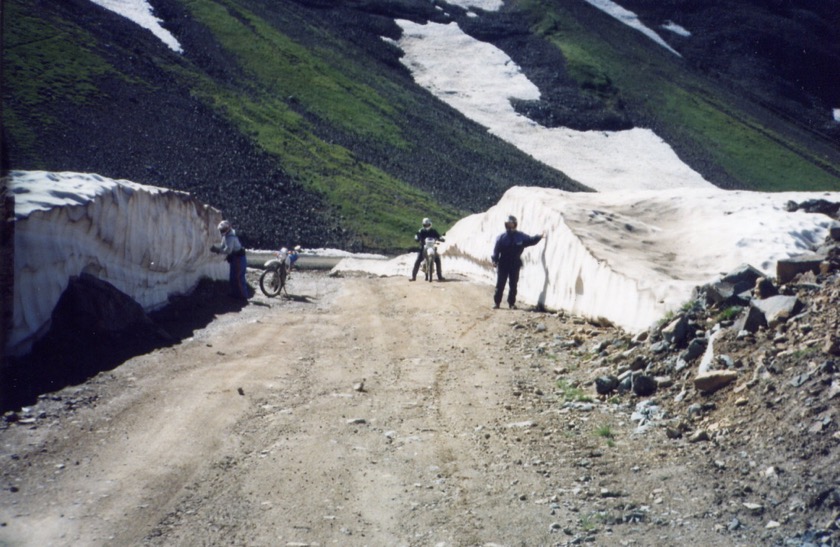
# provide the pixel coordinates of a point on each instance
(507, 259)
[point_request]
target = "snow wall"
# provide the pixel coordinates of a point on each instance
(148, 242)
(629, 257)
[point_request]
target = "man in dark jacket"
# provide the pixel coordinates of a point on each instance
(425, 232)
(507, 259)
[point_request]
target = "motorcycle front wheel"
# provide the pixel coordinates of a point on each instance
(272, 281)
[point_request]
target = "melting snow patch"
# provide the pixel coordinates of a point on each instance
(140, 12)
(480, 82)
(676, 29)
(630, 19)
(486, 5)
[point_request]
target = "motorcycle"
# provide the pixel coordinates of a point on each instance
(430, 254)
(273, 279)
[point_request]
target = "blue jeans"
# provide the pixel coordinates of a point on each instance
(238, 285)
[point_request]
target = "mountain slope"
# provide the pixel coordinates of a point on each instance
(299, 122)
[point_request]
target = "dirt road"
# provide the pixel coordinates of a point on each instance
(362, 411)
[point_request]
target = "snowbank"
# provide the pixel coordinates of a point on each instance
(630, 257)
(148, 242)
(479, 80)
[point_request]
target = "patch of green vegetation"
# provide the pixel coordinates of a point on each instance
(290, 89)
(592, 521)
(45, 60)
(604, 431)
(616, 71)
(315, 78)
(729, 313)
(804, 353)
(572, 393)
(382, 210)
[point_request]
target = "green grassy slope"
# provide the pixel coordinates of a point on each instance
(746, 145)
(377, 151)
(280, 99)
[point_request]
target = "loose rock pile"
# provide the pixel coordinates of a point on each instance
(741, 387)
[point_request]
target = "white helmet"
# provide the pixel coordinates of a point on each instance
(297, 248)
(427, 222)
(224, 226)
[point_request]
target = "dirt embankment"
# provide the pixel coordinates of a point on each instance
(363, 411)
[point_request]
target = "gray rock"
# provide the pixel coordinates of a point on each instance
(643, 385)
(695, 349)
(789, 268)
(778, 309)
(606, 384)
(743, 277)
(725, 295)
(714, 380)
(660, 346)
(676, 332)
(698, 436)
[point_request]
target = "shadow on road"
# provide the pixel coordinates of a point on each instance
(79, 345)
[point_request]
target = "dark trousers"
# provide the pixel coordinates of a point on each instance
(238, 285)
(419, 261)
(506, 273)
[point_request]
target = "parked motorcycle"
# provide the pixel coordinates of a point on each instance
(430, 253)
(273, 279)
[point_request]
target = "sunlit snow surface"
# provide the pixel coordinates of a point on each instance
(486, 5)
(630, 257)
(676, 29)
(480, 81)
(140, 12)
(148, 242)
(630, 19)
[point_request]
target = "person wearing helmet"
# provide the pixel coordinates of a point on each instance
(422, 234)
(234, 252)
(507, 259)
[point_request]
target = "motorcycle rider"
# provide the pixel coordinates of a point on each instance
(422, 234)
(234, 252)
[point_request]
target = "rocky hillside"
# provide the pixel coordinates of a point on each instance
(299, 121)
(756, 414)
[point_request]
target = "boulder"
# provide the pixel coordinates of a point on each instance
(724, 295)
(606, 384)
(764, 288)
(676, 333)
(769, 312)
(696, 348)
(788, 268)
(713, 380)
(742, 278)
(643, 385)
(751, 321)
(778, 309)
